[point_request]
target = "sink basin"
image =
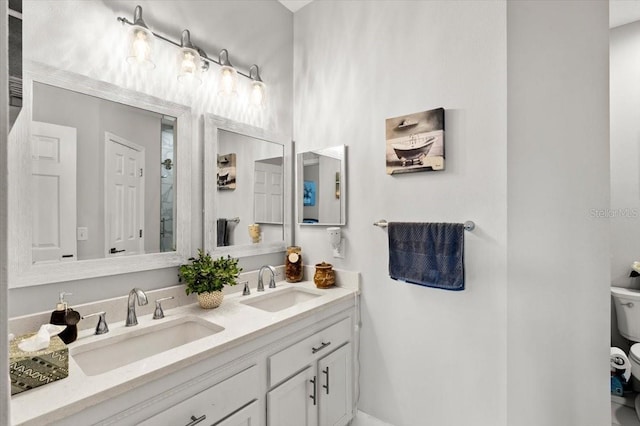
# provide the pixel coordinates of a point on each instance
(112, 352)
(277, 301)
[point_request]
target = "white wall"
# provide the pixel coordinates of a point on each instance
(558, 253)
(85, 37)
(625, 152)
(433, 357)
(4, 130)
(428, 357)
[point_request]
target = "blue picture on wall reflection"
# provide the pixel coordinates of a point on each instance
(309, 198)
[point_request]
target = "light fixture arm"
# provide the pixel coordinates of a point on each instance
(223, 58)
(137, 20)
(137, 17)
(185, 40)
(255, 77)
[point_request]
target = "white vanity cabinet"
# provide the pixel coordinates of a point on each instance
(296, 372)
(248, 416)
(321, 393)
(215, 403)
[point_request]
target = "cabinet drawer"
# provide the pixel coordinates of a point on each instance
(215, 402)
(295, 357)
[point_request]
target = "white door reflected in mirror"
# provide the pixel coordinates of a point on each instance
(124, 189)
(53, 173)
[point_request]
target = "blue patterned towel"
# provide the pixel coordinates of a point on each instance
(429, 254)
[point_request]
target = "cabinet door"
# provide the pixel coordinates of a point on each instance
(294, 403)
(334, 390)
(248, 416)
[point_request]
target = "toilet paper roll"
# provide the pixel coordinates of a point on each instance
(620, 362)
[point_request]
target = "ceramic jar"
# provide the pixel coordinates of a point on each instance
(325, 276)
(210, 300)
(293, 264)
(254, 233)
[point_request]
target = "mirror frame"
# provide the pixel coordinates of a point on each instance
(343, 187)
(22, 272)
(213, 123)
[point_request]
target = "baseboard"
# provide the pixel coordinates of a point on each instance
(364, 419)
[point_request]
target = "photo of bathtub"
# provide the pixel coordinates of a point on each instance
(226, 175)
(415, 142)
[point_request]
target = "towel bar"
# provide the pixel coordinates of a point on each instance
(468, 225)
(235, 220)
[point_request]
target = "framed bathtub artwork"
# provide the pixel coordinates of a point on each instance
(226, 175)
(415, 142)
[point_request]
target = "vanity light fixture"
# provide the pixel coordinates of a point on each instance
(192, 60)
(140, 41)
(257, 93)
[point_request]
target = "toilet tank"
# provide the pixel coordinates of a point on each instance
(627, 306)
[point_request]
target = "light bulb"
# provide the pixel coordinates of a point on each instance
(257, 96)
(228, 80)
(141, 46)
(189, 63)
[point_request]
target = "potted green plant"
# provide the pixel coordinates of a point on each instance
(206, 277)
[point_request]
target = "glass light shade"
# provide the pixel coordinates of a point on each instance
(257, 95)
(190, 63)
(140, 47)
(227, 80)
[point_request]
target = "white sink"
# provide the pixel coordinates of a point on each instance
(283, 299)
(112, 352)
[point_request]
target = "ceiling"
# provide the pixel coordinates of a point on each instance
(295, 5)
(623, 12)
(620, 11)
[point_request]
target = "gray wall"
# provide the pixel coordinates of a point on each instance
(425, 353)
(558, 254)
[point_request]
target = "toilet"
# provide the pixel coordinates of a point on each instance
(627, 306)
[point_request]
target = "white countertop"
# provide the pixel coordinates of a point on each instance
(242, 323)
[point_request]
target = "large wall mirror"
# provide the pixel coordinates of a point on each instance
(247, 185)
(321, 186)
(100, 175)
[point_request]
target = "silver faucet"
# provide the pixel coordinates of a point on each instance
(134, 294)
(272, 283)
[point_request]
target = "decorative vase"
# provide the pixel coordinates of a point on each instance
(325, 276)
(293, 264)
(210, 299)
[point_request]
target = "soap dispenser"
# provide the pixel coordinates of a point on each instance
(64, 315)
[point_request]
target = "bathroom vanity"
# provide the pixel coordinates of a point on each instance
(284, 356)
